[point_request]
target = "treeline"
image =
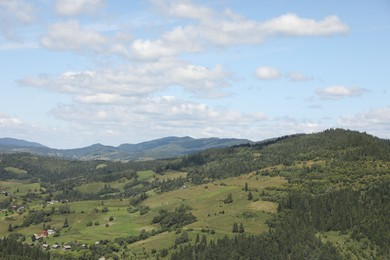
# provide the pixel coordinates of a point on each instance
(290, 239)
(337, 146)
(13, 250)
(363, 213)
(55, 170)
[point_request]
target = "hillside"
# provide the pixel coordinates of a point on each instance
(156, 149)
(314, 196)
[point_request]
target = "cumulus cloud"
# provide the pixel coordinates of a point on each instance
(267, 73)
(166, 115)
(370, 118)
(6, 121)
(14, 14)
(292, 25)
(139, 79)
(298, 76)
(338, 92)
(375, 121)
(70, 36)
(213, 29)
(76, 7)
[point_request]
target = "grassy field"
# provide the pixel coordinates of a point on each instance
(207, 205)
(205, 200)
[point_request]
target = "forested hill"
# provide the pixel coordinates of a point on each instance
(337, 204)
(306, 196)
(296, 153)
(167, 147)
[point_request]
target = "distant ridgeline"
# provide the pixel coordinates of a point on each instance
(335, 203)
(167, 147)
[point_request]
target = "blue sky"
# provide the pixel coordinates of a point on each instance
(74, 73)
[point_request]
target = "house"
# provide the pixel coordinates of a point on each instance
(51, 231)
(67, 247)
(55, 246)
(36, 236)
(20, 210)
(45, 246)
(43, 233)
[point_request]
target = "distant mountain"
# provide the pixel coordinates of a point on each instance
(156, 149)
(19, 143)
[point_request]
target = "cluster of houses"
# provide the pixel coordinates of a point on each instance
(57, 246)
(65, 247)
(44, 233)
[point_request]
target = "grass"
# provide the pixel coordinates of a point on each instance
(15, 170)
(205, 200)
(145, 175)
(94, 187)
(19, 188)
(207, 205)
(349, 248)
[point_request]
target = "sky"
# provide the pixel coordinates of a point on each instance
(79, 72)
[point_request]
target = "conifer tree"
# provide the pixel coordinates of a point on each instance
(241, 228)
(235, 228)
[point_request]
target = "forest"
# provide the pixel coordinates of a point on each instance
(306, 196)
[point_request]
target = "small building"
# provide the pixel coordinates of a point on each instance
(43, 233)
(55, 246)
(51, 231)
(67, 247)
(45, 246)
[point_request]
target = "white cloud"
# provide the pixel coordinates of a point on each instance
(298, 76)
(183, 9)
(267, 73)
(70, 36)
(7, 121)
(138, 79)
(375, 121)
(13, 14)
(338, 92)
(370, 118)
(166, 115)
(212, 29)
(292, 25)
(76, 7)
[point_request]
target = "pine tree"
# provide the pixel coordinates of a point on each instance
(235, 228)
(246, 186)
(66, 224)
(10, 229)
(241, 228)
(250, 196)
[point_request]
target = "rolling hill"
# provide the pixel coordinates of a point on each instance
(308, 196)
(167, 147)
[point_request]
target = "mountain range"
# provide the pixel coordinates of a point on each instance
(156, 149)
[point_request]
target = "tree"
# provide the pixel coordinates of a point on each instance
(246, 186)
(241, 228)
(250, 196)
(235, 228)
(10, 228)
(66, 223)
(197, 238)
(229, 198)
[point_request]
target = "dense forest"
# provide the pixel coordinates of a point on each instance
(335, 203)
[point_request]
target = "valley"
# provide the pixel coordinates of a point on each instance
(323, 195)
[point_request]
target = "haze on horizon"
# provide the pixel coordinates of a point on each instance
(80, 72)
